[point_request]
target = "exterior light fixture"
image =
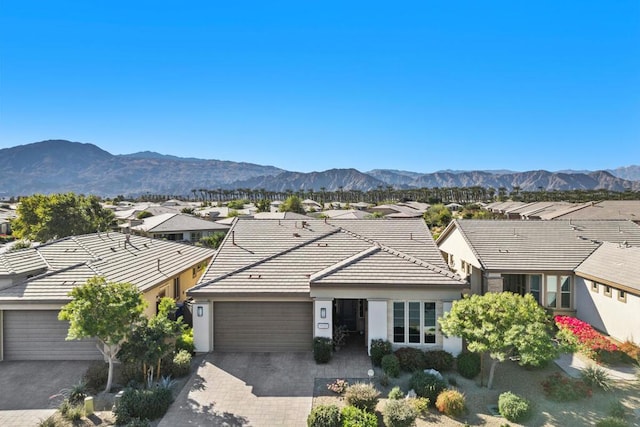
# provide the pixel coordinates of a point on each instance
(370, 373)
(323, 313)
(200, 311)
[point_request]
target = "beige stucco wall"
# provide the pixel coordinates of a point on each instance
(606, 313)
(454, 243)
(187, 280)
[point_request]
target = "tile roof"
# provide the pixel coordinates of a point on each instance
(614, 263)
(71, 261)
(271, 256)
(607, 209)
(174, 222)
(516, 245)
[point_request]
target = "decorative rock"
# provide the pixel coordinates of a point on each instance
(434, 373)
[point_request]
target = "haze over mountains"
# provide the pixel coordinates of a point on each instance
(59, 166)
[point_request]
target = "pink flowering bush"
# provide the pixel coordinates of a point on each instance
(589, 341)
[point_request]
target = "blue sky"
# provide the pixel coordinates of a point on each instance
(310, 85)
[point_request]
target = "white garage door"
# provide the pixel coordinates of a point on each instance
(39, 335)
(263, 326)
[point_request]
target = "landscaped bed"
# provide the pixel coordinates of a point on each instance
(526, 383)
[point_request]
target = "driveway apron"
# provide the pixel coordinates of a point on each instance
(258, 389)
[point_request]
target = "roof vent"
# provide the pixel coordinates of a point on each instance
(255, 276)
(296, 235)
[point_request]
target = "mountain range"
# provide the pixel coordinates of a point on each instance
(59, 166)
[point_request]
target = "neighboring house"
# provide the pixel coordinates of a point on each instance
(280, 215)
(174, 226)
(345, 214)
(398, 211)
(34, 285)
(311, 205)
(536, 257)
(275, 284)
(608, 291)
(606, 209)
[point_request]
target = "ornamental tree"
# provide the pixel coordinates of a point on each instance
(503, 325)
(106, 311)
(42, 218)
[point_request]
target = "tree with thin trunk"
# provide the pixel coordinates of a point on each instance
(106, 311)
(504, 325)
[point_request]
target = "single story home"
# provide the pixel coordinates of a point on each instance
(607, 287)
(174, 226)
(275, 284)
(537, 257)
(35, 282)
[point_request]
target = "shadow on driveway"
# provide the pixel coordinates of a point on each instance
(29, 384)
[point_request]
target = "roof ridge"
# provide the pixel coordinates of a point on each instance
(345, 262)
(420, 262)
(83, 246)
(265, 259)
(7, 264)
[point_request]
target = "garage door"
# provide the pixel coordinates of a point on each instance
(263, 326)
(39, 335)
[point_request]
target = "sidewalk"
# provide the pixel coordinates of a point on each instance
(572, 364)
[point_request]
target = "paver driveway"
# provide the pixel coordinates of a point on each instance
(258, 389)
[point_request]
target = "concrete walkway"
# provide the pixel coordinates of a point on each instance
(573, 364)
(258, 389)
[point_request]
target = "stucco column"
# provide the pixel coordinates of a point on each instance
(323, 318)
(202, 324)
(494, 282)
(377, 321)
(451, 344)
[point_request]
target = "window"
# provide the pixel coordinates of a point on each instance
(398, 322)
(176, 287)
(193, 272)
(559, 292)
(535, 280)
(552, 291)
(594, 287)
(196, 236)
(622, 295)
(565, 292)
(429, 323)
(414, 322)
(607, 290)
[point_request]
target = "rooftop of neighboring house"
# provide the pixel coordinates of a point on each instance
(504, 245)
(61, 265)
(174, 222)
(290, 256)
(280, 215)
(606, 209)
(346, 214)
(614, 264)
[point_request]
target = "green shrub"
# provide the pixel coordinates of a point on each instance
(396, 393)
(131, 373)
(144, 404)
(64, 407)
(419, 404)
(399, 413)
(185, 341)
(452, 381)
(77, 393)
(612, 422)
(427, 385)
(48, 422)
(451, 402)
(354, 417)
(74, 413)
(137, 422)
(324, 416)
(362, 396)
(181, 364)
(439, 360)
(322, 349)
(384, 380)
(391, 365)
(379, 349)
(595, 376)
(617, 409)
(513, 407)
(96, 376)
(411, 359)
(468, 364)
(560, 388)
